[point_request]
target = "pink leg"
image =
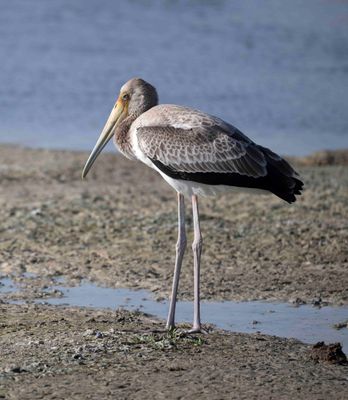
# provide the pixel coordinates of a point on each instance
(197, 250)
(180, 250)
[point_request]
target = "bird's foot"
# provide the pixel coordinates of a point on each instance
(197, 329)
(171, 328)
(194, 330)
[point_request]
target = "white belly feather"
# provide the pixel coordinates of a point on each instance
(189, 188)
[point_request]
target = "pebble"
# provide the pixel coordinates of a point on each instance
(99, 335)
(89, 332)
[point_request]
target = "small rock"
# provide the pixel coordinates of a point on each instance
(331, 353)
(36, 211)
(89, 332)
(15, 369)
(319, 302)
(99, 335)
(297, 302)
(341, 325)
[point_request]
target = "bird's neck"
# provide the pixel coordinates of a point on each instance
(122, 137)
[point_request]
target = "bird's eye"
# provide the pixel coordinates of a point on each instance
(125, 97)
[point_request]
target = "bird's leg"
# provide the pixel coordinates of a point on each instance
(197, 250)
(180, 250)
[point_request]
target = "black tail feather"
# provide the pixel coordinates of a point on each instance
(281, 179)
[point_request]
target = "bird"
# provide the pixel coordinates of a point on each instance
(199, 155)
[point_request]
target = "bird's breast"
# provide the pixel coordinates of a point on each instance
(123, 142)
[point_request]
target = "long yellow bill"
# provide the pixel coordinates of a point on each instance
(105, 136)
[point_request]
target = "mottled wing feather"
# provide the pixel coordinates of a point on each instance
(282, 165)
(206, 148)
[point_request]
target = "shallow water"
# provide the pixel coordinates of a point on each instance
(7, 286)
(306, 323)
(277, 70)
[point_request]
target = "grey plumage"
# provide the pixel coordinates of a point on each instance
(201, 149)
(190, 145)
(142, 94)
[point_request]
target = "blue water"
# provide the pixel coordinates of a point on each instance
(306, 323)
(278, 70)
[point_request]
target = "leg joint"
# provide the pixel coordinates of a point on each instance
(181, 243)
(197, 243)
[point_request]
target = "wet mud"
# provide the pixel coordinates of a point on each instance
(118, 229)
(56, 352)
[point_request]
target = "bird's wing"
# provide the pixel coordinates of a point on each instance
(190, 145)
(205, 148)
(190, 141)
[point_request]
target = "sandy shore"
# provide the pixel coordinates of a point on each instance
(69, 353)
(118, 229)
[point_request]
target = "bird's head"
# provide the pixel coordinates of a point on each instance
(136, 96)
